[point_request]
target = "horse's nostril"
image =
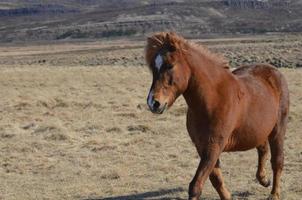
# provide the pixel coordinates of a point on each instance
(156, 105)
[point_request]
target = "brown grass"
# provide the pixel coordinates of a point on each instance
(86, 133)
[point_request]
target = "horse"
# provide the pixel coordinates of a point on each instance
(227, 110)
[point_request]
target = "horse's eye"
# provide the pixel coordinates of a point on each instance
(169, 66)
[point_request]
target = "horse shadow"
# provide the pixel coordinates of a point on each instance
(166, 194)
(162, 194)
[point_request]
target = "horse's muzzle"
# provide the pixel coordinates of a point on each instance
(157, 109)
(155, 106)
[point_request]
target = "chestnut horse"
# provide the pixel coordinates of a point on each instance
(227, 110)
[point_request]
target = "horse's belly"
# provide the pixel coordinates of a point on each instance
(244, 141)
(250, 136)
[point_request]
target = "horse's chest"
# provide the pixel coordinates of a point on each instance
(197, 129)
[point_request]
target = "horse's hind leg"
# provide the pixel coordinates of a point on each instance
(262, 158)
(276, 140)
(218, 183)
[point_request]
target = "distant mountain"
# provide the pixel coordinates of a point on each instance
(31, 20)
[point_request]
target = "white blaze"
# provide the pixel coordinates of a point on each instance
(158, 62)
(150, 99)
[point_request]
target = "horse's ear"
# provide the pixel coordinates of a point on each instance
(149, 39)
(155, 41)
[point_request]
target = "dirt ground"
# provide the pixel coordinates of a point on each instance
(70, 131)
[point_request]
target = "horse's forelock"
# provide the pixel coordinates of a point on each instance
(159, 41)
(154, 44)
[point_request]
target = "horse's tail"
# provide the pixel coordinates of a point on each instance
(279, 130)
(283, 102)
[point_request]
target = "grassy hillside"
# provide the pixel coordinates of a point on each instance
(32, 20)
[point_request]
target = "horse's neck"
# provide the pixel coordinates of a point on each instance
(206, 78)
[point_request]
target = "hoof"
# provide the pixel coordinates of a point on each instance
(273, 197)
(263, 180)
(265, 183)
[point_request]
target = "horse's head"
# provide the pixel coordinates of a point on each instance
(165, 57)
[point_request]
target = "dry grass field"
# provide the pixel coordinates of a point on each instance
(70, 131)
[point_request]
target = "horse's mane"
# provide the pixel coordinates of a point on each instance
(159, 40)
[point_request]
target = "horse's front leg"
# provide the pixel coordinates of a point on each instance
(207, 163)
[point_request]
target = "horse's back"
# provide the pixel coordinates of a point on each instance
(265, 75)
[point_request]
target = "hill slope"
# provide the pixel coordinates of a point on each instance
(31, 20)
